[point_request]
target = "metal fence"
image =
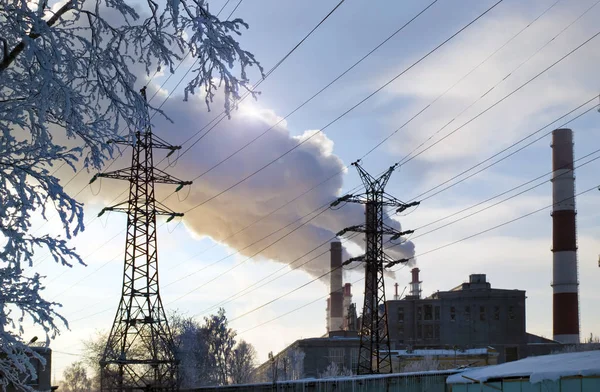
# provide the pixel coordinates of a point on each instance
(401, 382)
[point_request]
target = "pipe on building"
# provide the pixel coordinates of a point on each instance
(565, 283)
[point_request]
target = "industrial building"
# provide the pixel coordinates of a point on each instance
(316, 355)
(471, 315)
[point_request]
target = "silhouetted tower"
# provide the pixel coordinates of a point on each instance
(139, 354)
(374, 352)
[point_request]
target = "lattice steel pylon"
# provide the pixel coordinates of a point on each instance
(139, 354)
(374, 353)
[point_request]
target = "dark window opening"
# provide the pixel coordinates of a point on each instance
(468, 313)
(428, 312)
(452, 313)
(511, 354)
(400, 315)
(429, 331)
(482, 313)
(436, 331)
(511, 313)
(419, 331)
(496, 312)
(437, 312)
(419, 313)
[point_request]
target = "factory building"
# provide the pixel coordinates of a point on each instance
(471, 315)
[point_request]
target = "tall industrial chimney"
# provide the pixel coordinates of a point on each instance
(564, 240)
(415, 284)
(336, 302)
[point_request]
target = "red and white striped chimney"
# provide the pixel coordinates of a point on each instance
(564, 240)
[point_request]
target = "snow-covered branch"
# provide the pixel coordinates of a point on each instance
(69, 84)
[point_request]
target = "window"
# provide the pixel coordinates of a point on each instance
(437, 312)
(511, 313)
(482, 313)
(400, 315)
(452, 313)
(429, 331)
(496, 312)
(468, 313)
(419, 313)
(419, 331)
(428, 312)
(354, 360)
(401, 330)
(336, 355)
(436, 331)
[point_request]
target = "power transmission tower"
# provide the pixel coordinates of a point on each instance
(374, 353)
(139, 353)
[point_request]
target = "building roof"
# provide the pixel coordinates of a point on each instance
(440, 352)
(537, 369)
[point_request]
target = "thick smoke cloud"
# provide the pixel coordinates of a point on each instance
(292, 175)
(222, 217)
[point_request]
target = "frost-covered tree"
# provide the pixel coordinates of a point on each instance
(75, 379)
(242, 363)
(67, 85)
(196, 367)
(296, 364)
(335, 370)
(221, 342)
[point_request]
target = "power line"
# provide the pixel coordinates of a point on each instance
(344, 113)
(414, 257)
(304, 103)
(181, 79)
(463, 78)
(577, 117)
(561, 117)
(409, 158)
(245, 292)
(420, 196)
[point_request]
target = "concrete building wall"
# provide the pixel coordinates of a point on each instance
(44, 372)
(471, 315)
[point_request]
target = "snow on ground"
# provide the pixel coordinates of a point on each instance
(546, 367)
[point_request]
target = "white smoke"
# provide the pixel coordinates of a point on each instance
(275, 186)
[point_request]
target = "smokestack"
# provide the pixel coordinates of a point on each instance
(347, 303)
(565, 284)
(415, 284)
(396, 296)
(336, 303)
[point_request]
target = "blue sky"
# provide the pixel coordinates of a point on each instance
(514, 256)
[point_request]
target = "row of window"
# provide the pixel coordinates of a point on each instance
(482, 313)
(430, 312)
(427, 331)
(427, 312)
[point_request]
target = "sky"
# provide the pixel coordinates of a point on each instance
(476, 89)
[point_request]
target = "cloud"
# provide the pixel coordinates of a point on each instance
(295, 228)
(560, 89)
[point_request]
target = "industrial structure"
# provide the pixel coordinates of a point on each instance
(470, 315)
(340, 297)
(42, 381)
(139, 353)
(374, 353)
(565, 282)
